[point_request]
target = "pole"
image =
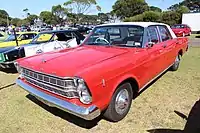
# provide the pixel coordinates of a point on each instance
(7, 21)
(15, 37)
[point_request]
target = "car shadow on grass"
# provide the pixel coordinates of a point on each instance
(149, 85)
(192, 125)
(7, 86)
(9, 70)
(66, 116)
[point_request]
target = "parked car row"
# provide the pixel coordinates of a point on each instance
(101, 75)
(31, 43)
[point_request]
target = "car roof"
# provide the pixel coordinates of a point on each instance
(31, 32)
(142, 24)
(58, 31)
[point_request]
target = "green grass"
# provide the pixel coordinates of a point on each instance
(194, 36)
(153, 109)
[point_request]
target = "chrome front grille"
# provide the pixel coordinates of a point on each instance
(63, 87)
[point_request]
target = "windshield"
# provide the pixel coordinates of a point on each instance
(177, 26)
(125, 36)
(11, 37)
(48, 37)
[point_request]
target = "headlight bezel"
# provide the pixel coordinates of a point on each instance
(18, 68)
(83, 91)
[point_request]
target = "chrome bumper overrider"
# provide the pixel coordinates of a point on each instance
(86, 113)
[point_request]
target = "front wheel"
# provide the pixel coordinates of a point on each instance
(120, 103)
(176, 64)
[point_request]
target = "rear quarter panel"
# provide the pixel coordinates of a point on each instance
(182, 44)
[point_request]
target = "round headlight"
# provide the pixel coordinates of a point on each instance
(83, 92)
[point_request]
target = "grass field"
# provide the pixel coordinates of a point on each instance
(194, 36)
(154, 108)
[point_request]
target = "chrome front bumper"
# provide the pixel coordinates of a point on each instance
(89, 113)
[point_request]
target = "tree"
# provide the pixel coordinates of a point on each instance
(192, 5)
(129, 8)
(15, 21)
(155, 9)
(47, 17)
(31, 18)
(171, 17)
(26, 10)
(60, 13)
(4, 17)
(80, 7)
(103, 17)
(148, 16)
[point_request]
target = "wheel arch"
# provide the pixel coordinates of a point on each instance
(130, 79)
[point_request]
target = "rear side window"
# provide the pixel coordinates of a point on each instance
(153, 34)
(164, 33)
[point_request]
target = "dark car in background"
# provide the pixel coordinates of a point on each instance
(181, 30)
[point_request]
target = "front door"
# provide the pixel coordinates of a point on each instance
(156, 52)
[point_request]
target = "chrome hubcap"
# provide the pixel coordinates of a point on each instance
(122, 101)
(177, 61)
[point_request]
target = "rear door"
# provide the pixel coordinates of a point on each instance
(168, 44)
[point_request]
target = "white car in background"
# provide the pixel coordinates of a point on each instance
(50, 46)
(44, 42)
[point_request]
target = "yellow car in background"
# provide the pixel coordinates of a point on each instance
(22, 38)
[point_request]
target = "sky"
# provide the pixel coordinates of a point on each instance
(15, 7)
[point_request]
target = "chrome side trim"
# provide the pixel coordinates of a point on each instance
(8, 62)
(89, 113)
(154, 78)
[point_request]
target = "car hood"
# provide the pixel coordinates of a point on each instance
(68, 62)
(2, 50)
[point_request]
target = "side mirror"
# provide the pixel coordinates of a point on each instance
(150, 44)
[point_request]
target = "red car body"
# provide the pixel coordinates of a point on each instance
(103, 68)
(181, 30)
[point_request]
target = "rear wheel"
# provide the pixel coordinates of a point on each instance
(176, 64)
(120, 103)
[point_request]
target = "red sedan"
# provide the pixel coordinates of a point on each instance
(114, 63)
(181, 30)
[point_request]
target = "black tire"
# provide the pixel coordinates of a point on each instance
(111, 112)
(176, 64)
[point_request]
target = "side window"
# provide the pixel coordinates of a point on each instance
(27, 36)
(114, 33)
(164, 33)
(153, 34)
